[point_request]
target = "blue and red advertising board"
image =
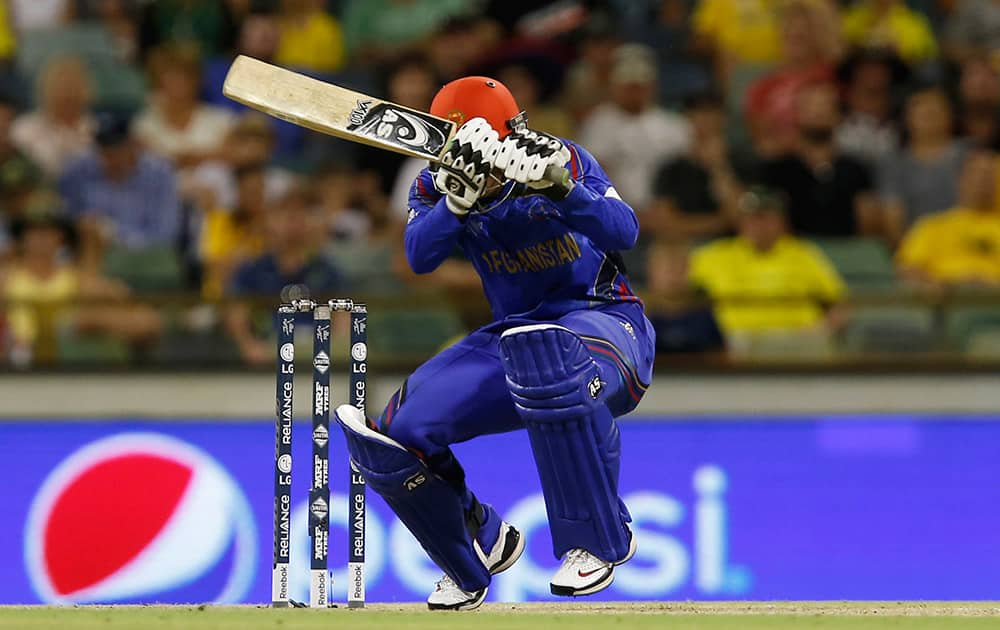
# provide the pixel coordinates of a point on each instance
(727, 508)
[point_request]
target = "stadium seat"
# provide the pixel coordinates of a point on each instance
(783, 346)
(411, 334)
(367, 265)
(149, 270)
(91, 349)
(962, 323)
(179, 347)
(984, 345)
(738, 82)
(37, 46)
(864, 263)
(890, 329)
(117, 85)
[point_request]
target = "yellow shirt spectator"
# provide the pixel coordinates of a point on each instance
(8, 43)
(226, 241)
(784, 288)
(746, 31)
(37, 300)
(898, 27)
(956, 246)
(311, 42)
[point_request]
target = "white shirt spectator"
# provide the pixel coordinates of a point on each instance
(867, 139)
(206, 131)
(630, 147)
(50, 144)
(38, 14)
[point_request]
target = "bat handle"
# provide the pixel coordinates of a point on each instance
(560, 179)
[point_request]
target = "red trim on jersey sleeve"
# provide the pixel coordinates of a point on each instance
(575, 166)
(625, 293)
(422, 192)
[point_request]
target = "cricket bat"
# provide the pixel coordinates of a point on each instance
(337, 111)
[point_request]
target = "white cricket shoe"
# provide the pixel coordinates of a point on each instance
(508, 548)
(448, 596)
(583, 573)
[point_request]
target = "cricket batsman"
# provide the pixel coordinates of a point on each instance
(569, 350)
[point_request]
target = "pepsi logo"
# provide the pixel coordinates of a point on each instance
(140, 517)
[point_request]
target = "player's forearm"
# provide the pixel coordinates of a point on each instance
(606, 220)
(431, 238)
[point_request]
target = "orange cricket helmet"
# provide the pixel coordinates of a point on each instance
(478, 97)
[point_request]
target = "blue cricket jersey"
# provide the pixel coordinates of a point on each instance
(537, 258)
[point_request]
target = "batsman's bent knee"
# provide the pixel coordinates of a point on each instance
(429, 507)
(550, 373)
(557, 390)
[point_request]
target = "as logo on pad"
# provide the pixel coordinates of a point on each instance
(414, 482)
(595, 386)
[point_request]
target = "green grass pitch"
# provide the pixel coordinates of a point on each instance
(570, 615)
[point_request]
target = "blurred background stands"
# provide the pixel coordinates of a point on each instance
(141, 211)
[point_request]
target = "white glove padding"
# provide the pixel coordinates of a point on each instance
(525, 155)
(463, 170)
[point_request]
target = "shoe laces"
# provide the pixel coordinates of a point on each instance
(445, 583)
(580, 558)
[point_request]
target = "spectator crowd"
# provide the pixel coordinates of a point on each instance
(756, 139)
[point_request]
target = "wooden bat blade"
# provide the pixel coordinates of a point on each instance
(337, 111)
